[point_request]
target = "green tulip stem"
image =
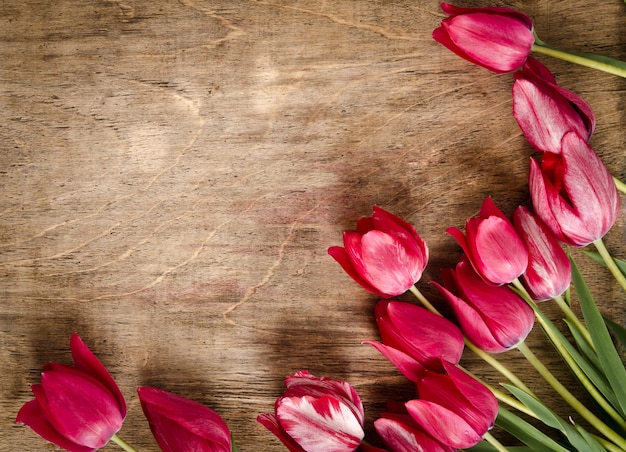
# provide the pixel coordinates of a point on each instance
(569, 315)
(422, 299)
(568, 397)
(605, 65)
(495, 443)
(621, 186)
(123, 444)
(497, 365)
(610, 263)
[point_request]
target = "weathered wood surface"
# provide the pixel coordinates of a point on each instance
(173, 172)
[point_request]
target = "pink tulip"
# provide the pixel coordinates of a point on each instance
(496, 38)
(385, 255)
(495, 319)
(79, 408)
(422, 338)
(574, 193)
(401, 433)
(549, 271)
(453, 408)
(179, 424)
(492, 245)
(315, 414)
(545, 111)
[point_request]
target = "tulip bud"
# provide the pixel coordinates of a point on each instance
(574, 193)
(496, 38)
(317, 414)
(182, 425)
(413, 330)
(492, 245)
(545, 112)
(495, 319)
(78, 407)
(453, 408)
(385, 255)
(549, 271)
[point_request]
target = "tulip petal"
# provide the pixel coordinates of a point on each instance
(341, 256)
(270, 422)
(303, 383)
(546, 112)
(472, 323)
(409, 367)
(506, 315)
(404, 435)
(442, 424)
(462, 394)
(86, 361)
(590, 189)
(426, 337)
(497, 252)
(319, 424)
(499, 42)
(181, 424)
(78, 406)
(548, 274)
(385, 263)
(30, 414)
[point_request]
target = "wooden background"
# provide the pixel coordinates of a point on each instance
(173, 172)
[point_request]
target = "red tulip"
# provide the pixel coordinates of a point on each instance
(179, 424)
(385, 255)
(545, 111)
(496, 38)
(422, 337)
(549, 271)
(79, 408)
(574, 193)
(492, 245)
(494, 318)
(453, 408)
(315, 414)
(401, 433)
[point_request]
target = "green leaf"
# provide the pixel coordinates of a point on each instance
(526, 433)
(589, 366)
(583, 346)
(618, 330)
(551, 419)
(610, 362)
(621, 264)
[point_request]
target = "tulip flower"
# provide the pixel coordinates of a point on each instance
(422, 338)
(545, 112)
(494, 318)
(401, 433)
(317, 413)
(549, 271)
(79, 408)
(492, 245)
(574, 193)
(179, 424)
(497, 38)
(453, 408)
(385, 255)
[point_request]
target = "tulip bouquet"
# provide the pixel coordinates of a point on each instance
(508, 267)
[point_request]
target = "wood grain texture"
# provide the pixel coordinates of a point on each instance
(172, 173)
